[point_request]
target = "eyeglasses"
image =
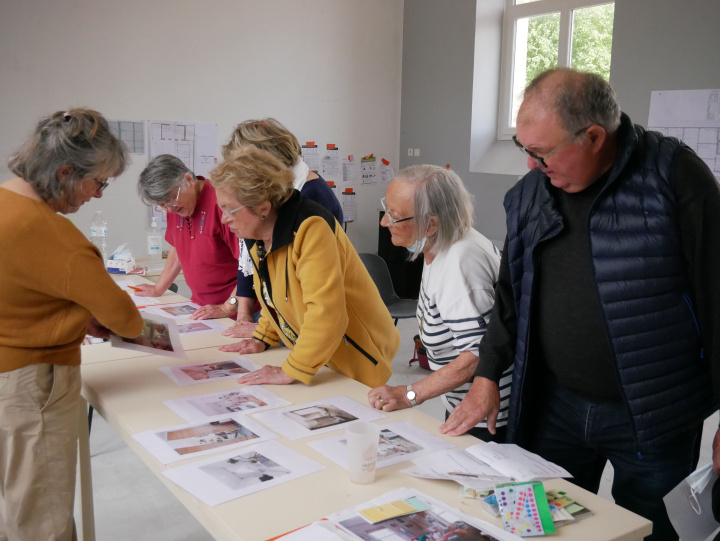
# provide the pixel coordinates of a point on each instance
(229, 213)
(393, 222)
(102, 184)
(538, 159)
(168, 205)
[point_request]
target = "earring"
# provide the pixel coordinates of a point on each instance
(263, 216)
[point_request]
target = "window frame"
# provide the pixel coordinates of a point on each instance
(511, 14)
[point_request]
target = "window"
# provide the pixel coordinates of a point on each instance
(542, 34)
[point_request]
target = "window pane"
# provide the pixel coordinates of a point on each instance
(536, 50)
(518, 2)
(592, 39)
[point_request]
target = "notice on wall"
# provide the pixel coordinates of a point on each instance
(196, 144)
(692, 116)
(130, 132)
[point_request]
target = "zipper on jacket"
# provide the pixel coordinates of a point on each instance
(361, 350)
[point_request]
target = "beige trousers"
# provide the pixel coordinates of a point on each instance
(38, 452)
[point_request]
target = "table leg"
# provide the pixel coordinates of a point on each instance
(87, 514)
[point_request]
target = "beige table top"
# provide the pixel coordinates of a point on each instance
(128, 393)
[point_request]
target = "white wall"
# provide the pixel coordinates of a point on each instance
(330, 70)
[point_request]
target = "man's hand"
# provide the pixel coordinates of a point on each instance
(244, 346)
(482, 402)
(389, 398)
(716, 452)
(267, 375)
(147, 290)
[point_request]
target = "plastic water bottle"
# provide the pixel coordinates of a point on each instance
(154, 241)
(99, 234)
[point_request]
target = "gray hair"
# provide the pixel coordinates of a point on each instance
(440, 193)
(578, 99)
(79, 138)
(160, 178)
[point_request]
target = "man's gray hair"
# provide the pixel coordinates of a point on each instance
(160, 178)
(440, 193)
(579, 99)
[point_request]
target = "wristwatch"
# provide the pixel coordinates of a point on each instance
(233, 300)
(411, 395)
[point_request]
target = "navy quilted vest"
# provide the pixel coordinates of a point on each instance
(642, 283)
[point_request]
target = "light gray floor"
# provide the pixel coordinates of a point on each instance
(131, 504)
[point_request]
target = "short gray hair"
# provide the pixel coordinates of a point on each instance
(440, 193)
(79, 138)
(578, 99)
(160, 178)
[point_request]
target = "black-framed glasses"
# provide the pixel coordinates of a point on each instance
(541, 160)
(168, 205)
(392, 221)
(102, 184)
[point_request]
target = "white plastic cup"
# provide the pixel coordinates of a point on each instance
(362, 444)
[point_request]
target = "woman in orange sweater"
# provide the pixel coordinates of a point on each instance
(55, 289)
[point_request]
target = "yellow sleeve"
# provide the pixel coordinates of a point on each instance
(319, 269)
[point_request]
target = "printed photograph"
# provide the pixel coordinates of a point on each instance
(230, 402)
(206, 436)
(215, 369)
(178, 310)
(244, 470)
(320, 416)
(423, 525)
(193, 326)
(154, 335)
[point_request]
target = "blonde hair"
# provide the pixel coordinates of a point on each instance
(79, 138)
(267, 134)
(253, 176)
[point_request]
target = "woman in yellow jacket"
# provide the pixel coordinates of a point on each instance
(315, 293)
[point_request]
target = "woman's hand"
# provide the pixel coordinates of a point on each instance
(212, 311)
(244, 346)
(267, 375)
(389, 398)
(147, 290)
(94, 328)
(241, 329)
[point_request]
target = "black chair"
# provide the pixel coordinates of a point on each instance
(398, 308)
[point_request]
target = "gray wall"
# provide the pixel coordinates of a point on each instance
(658, 45)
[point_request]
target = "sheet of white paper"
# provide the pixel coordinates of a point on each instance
(459, 466)
(438, 522)
(159, 337)
(173, 443)
(387, 172)
(190, 374)
(351, 171)
(368, 171)
(514, 461)
(318, 417)
(199, 327)
(399, 442)
(206, 148)
(348, 202)
(311, 157)
(331, 166)
(323, 530)
(692, 116)
(175, 310)
(142, 302)
(222, 403)
(223, 478)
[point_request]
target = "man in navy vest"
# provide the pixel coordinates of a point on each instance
(608, 300)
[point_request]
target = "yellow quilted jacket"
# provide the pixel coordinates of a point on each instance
(318, 297)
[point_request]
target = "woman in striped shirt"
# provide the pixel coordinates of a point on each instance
(429, 210)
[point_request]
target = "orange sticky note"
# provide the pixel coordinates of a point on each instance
(331, 146)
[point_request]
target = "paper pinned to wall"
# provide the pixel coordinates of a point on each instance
(351, 170)
(311, 156)
(331, 167)
(195, 143)
(692, 116)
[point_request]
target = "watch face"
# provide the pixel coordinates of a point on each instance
(233, 300)
(411, 394)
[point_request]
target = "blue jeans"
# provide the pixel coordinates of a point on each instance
(581, 436)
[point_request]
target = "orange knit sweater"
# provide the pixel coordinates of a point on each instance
(52, 280)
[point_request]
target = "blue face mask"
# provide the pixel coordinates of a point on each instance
(418, 245)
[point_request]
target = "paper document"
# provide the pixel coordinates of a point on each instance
(189, 374)
(223, 478)
(159, 337)
(213, 405)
